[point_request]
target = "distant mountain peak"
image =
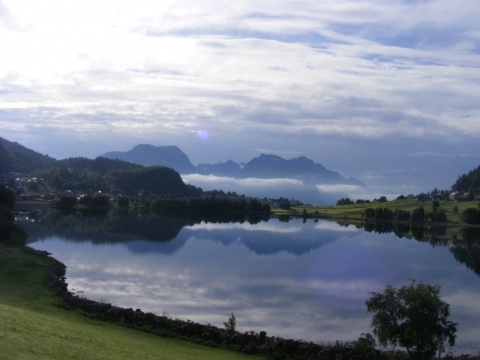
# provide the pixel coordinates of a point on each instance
(149, 155)
(266, 166)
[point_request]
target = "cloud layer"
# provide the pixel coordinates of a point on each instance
(362, 87)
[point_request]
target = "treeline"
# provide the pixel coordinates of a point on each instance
(9, 232)
(417, 215)
(207, 208)
(468, 183)
(214, 209)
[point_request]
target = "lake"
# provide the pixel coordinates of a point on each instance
(298, 279)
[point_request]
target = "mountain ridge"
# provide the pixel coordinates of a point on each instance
(265, 166)
(149, 155)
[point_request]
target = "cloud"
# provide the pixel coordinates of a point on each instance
(199, 179)
(331, 80)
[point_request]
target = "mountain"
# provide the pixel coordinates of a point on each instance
(225, 168)
(149, 155)
(302, 168)
(263, 167)
(17, 158)
(274, 167)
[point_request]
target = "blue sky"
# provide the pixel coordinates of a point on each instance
(386, 91)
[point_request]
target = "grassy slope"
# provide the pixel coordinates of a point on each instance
(32, 326)
(353, 214)
(356, 211)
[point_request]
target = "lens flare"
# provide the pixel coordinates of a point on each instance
(203, 134)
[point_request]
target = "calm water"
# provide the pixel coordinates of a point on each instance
(292, 279)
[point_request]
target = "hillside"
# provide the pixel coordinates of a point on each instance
(155, 179)
(83, 175)
(17, 158)
(468, 183)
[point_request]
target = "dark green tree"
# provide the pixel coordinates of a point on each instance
(345, 201)
(231, 325)
(471, 216)
(7, 197)
(418, 215)
(413, 317)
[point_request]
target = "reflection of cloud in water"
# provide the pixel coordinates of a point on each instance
(292, 237)
(344, 274)
(310, 283)
(324, 225)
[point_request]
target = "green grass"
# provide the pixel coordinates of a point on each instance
(34, 326)
(353, 214)
(356, 211)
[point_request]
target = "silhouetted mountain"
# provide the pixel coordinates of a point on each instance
(153, 179)
(17, 158)
(149, 155)
(263, 166)
(272, 166)
(224, 168)
(99, 165)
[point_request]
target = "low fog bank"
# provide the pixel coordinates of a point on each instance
(314, 194)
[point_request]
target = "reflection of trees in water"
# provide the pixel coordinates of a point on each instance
(117, 227)
(466, 251)
(110, 227)
(101, 228)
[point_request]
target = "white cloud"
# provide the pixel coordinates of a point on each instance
(254, 74)
(245, 182)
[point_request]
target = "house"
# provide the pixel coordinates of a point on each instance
(458, 196)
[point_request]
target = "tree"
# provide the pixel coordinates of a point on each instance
(471, 216)
(345, 201)
(231, 324)
(413, 317)
(7, 197)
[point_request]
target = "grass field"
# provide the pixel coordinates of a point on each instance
(354, 214)
(33, 326)
(356, 211)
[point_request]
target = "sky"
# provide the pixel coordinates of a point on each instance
(386, 91)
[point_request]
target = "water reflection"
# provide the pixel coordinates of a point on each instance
(306, 280)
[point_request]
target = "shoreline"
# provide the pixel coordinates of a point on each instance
(251, 343)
